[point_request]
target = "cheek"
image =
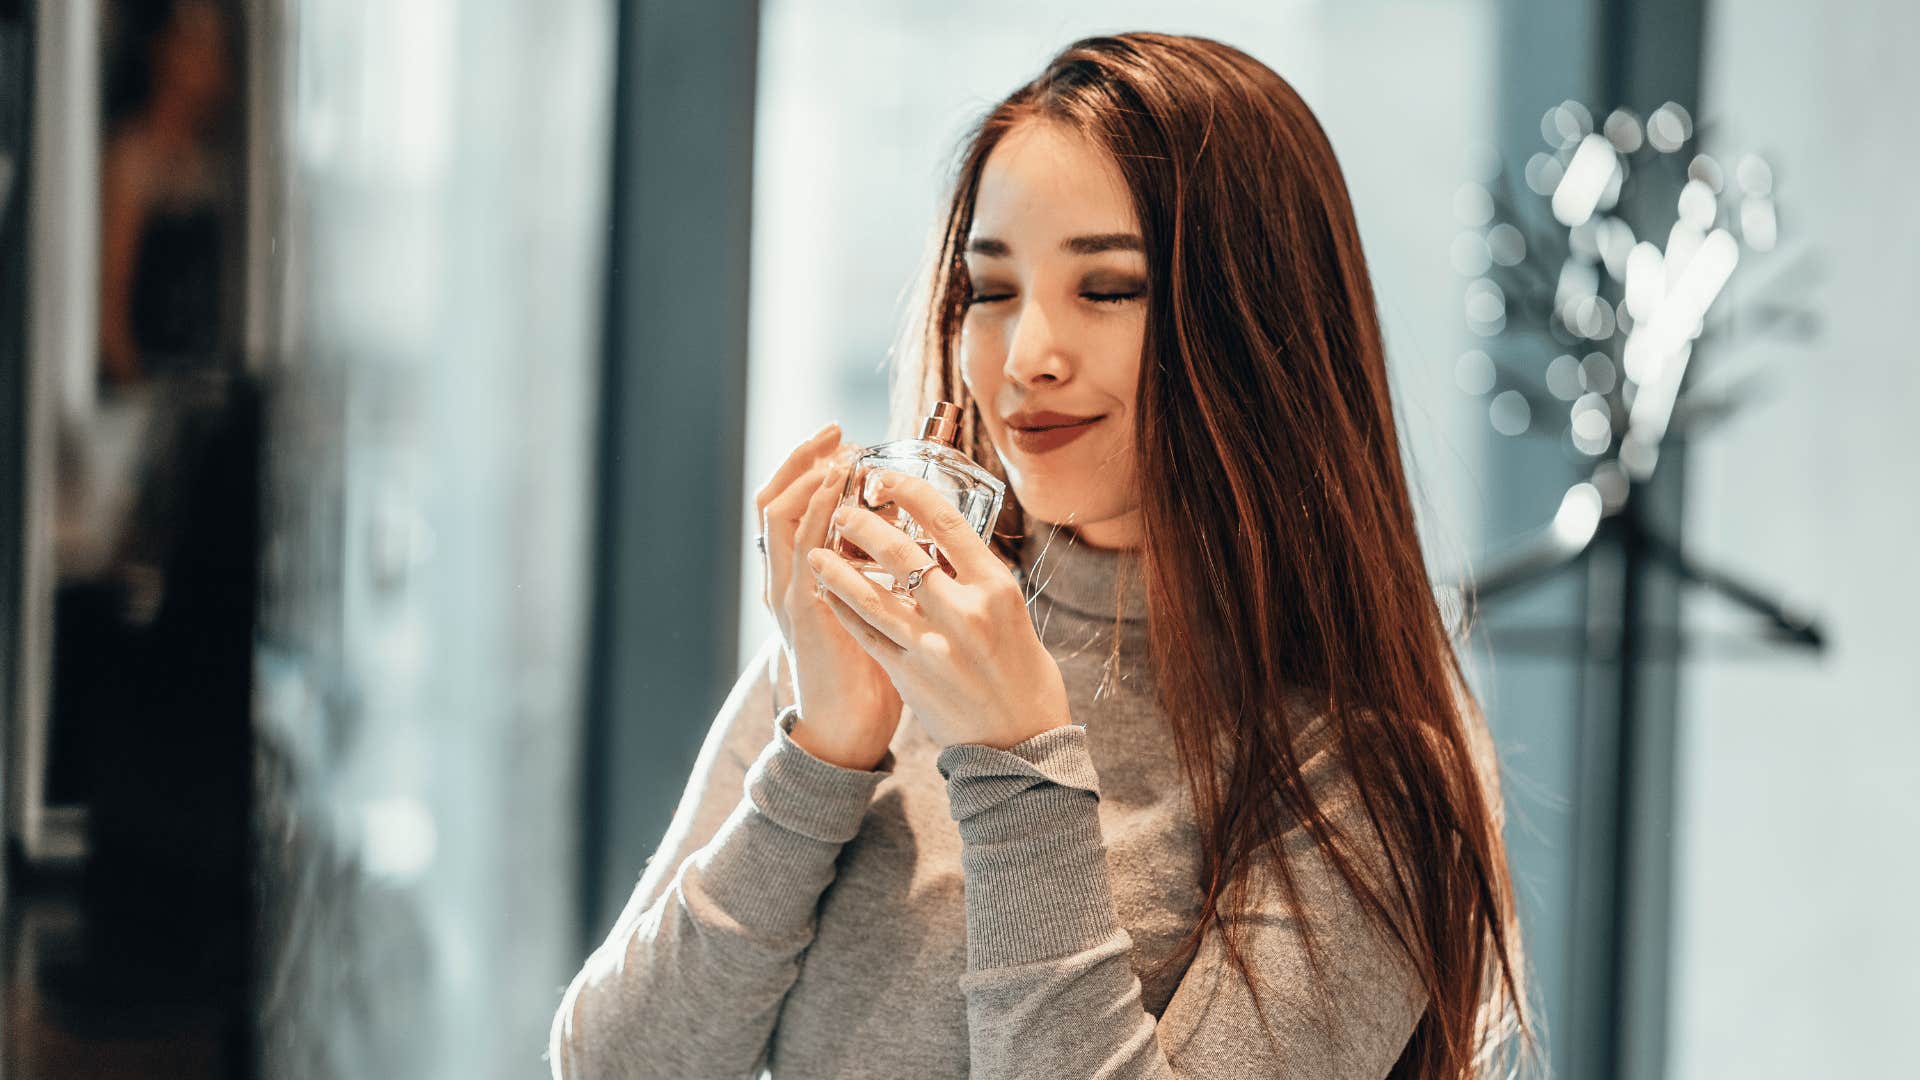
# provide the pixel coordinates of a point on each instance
(982, 356)
(1124, 346)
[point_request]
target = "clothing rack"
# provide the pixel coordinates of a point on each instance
(1551, 552)
(1605, 849)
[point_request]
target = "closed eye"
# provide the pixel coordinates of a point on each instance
(1098, 298)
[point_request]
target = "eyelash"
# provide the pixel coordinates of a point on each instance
(1098, 298)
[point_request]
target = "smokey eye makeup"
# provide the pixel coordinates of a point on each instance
(1103, 289)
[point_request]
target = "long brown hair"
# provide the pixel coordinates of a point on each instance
(1294, 568)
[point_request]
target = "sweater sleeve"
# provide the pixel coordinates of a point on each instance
(1050, 987)
(691, 979)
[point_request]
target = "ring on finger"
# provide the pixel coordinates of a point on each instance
(865, 599)
(897, 552)
(914, 576)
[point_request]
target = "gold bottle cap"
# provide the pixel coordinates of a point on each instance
(943, 424)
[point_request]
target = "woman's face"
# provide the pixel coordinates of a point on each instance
(1056, 325)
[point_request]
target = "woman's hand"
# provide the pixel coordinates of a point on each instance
(849, 709)
(964, 655)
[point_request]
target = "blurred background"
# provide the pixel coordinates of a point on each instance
(383, 387)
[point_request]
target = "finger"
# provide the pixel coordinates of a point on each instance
(811, 530)
(940, 521)
(872, 642)
(781, 518)
(777, 525)
(873, 605)
(797, 462)
(893, 549)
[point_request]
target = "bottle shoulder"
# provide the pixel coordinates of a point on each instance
(924, 457)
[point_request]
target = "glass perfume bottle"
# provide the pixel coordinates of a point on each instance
(972, 490)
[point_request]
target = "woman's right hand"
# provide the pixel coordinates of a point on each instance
(848, 706)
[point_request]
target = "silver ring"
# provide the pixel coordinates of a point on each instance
(761, 543)
(913, 578)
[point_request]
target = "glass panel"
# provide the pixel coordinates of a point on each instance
(429, 480)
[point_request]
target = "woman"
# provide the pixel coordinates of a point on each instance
(1223, 807)
(165, 190)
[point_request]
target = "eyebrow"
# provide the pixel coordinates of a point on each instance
(1073, 245)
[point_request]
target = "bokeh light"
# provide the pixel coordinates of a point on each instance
(1758, 226)
(1669, 128)
(1610, 480)
(1509, 413)
(1470, 255)
(1596, 373)
(1473, 373)
(1578, 194)
(1698, 206)
(1623, 130)
(1706, 170)
(1486, 306)
(1563, 377)
(1472, 205)
(1754, 175)
(1614, 237)
(1506, 245)
(1592, 427)
(1566, 123)
(1543, 173)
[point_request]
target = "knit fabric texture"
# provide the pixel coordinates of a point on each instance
(976, 912)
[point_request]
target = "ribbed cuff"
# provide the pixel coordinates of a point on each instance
(803, 794)
(1035, 862)
(783, 840)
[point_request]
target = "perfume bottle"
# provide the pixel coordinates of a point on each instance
(972, 490)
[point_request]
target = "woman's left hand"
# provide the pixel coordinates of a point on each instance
(966, 659)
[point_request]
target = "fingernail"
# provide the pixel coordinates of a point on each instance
(840, 516)
(815, 557)
(832, 426)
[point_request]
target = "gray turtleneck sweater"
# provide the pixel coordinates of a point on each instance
(974, 912)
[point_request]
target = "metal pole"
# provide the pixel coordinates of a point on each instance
(62, 321)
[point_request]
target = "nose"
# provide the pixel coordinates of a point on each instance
(1034, 354)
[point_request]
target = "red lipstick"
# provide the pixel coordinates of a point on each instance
(1038, 431)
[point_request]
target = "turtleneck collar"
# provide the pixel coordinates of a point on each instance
(1055, 563)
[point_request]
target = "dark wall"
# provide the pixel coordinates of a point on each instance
(16, 110)
(673, 424)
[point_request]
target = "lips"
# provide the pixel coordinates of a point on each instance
(1028, 419)
(1039, 432)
